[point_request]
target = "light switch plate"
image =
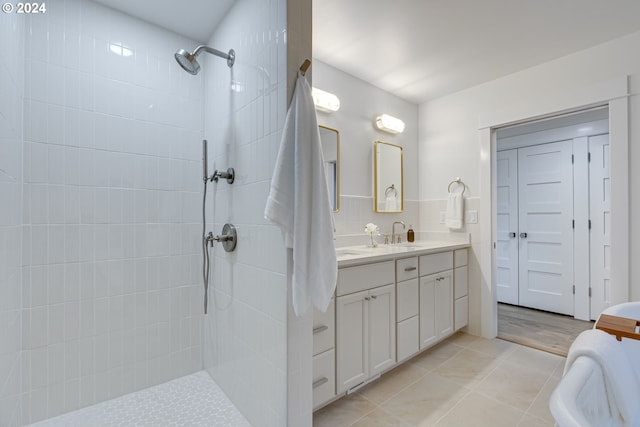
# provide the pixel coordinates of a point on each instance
(471, 217)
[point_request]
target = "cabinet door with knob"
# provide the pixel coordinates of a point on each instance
(436, 307)
(382, 329)
(365, 335)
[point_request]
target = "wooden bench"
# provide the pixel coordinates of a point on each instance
(619, 326)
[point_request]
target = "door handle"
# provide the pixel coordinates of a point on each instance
(523, 235)
(512, 234)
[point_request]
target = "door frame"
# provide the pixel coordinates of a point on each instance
(613, 94)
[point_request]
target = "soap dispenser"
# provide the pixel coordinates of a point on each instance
(411, 236)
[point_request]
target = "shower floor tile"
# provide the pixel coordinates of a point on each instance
(194, 400)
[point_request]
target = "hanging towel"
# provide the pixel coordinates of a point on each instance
(391, 203)
(455, 211)
(299, 204)
(623, 385)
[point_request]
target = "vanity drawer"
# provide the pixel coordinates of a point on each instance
(406, 268)
(436, 263)
(460, 257)
(324, 328)
(324, 377)
(363, 277)
(408, 336)
(461, 282)
(407, 299)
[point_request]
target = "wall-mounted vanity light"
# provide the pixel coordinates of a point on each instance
(389, 124)
(325, 101)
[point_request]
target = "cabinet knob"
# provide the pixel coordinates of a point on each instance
(512, 234)
(374, 296)
(367, 298)
(523, 235)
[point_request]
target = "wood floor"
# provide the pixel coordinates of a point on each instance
(550, 332)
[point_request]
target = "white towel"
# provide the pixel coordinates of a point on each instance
(299, 204)
(391, 204)
(607, 352)
(455, 211)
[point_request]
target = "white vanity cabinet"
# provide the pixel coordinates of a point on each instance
(461, 288)
(324, 355)
(365, 323)
(436, 298)
(390, 304)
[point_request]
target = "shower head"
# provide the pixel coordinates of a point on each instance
(188, 62)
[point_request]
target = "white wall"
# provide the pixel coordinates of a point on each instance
(450, 143)
(11, 180)
(245, 332)
(360, 104)
(111, 291)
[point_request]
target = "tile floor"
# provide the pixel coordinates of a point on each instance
(194, 400)
(465, 381)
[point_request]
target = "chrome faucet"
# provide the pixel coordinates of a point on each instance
(393, 232)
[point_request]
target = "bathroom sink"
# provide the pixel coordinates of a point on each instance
(349, 252)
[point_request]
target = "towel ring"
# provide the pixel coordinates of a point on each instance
(459, 182)
(389, 189)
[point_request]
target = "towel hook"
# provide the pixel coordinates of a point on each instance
(458, 181)
(305, 66)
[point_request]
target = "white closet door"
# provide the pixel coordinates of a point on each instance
(545, 181)
(600, 215)
(507, 232)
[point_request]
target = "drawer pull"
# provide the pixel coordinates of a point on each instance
(410, 268)
(319, 329)
(318, 383)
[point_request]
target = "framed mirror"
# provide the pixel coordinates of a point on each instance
(330, 139)
(388, 177)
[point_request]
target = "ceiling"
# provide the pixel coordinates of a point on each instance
(195, 19)
(424, 49)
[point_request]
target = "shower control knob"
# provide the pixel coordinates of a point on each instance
(229, 175)
(228, 238)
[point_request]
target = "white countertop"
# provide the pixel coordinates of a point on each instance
(354, 255)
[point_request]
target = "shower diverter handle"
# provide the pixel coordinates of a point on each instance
(228, 238)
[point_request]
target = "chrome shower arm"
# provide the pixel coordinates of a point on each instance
(230, 57)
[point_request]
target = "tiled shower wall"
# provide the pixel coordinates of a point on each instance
(11, 142)
(245, 332)
(111, 291)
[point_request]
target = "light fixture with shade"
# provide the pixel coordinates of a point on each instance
(389, 124)
(325, 101)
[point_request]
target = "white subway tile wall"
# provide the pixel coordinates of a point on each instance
(245, 333)
(11, 146)
(111, 291)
